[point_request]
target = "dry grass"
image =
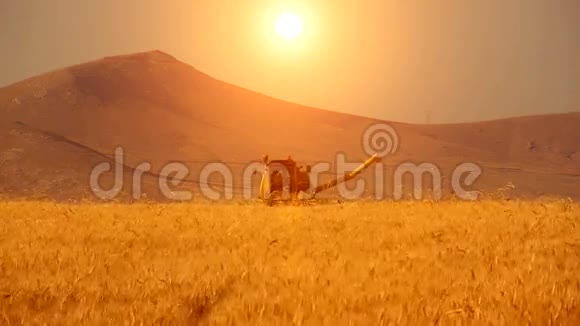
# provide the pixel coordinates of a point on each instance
(368, 263)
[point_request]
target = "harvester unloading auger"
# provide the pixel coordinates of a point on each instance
(297, 178)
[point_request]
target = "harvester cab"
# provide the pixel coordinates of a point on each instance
(283, 176)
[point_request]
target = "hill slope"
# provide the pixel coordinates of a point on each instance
(56, 127)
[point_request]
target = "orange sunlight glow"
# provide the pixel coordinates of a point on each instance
(289, 25)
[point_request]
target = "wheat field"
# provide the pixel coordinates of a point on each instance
(388, 263)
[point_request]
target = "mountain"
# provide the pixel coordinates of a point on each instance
(55, 128)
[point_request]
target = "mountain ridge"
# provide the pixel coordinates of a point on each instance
(160, 109)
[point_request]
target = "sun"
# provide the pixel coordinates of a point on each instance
(289, 25)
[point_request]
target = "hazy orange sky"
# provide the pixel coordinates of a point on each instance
(391, 59)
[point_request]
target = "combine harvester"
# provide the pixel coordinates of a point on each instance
(285, 176)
